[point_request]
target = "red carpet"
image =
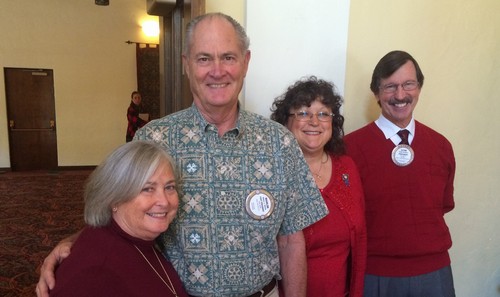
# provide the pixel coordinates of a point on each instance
(37, 210)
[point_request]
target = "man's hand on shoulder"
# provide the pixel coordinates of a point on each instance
(47, 279)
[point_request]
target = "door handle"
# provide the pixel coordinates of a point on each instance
(52, 124)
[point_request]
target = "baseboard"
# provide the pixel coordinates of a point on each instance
(59, 168)
(76, 167)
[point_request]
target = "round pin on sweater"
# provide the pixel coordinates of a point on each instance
(402, 155)
(259, 204)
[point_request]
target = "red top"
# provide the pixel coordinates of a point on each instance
(336, 245)
(134, 122)
(104, 262)
(405, 206)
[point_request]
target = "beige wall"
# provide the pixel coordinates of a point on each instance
(457, 44)
(234, 8)
(94, 69)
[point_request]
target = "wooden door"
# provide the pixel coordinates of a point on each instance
(31, 118)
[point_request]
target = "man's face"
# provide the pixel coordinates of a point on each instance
(215, 65)
(398, 106)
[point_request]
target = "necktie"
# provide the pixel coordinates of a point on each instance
(404, 136)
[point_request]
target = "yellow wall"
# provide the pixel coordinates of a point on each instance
(234, 8)
(457, 44)
(94, 69)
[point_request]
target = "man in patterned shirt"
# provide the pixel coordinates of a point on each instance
(247, 192)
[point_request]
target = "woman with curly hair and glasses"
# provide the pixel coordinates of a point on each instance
(335, 245)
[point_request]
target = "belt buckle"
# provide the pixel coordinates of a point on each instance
(265, 290)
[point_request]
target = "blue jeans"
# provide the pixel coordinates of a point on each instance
(438, 283)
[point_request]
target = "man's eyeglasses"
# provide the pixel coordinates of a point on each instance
(393, 88)
(304, 116)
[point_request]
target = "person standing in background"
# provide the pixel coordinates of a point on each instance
(335, 245)
(133, 119)
(407, 171)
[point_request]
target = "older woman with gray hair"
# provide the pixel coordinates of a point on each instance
(130, 199)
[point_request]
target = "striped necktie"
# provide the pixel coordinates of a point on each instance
(404, 136)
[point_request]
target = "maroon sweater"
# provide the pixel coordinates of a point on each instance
(405, 206)
(104, 262)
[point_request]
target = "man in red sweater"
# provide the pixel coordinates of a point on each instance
(408, 187)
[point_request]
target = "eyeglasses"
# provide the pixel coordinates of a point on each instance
(304, 116)
(393, 88)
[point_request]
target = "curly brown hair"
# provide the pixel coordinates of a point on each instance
(303, 93)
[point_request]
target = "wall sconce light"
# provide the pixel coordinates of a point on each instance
(102, 2)
(151, 28)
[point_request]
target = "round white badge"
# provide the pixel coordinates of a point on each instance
(259, 204)
(402, 155)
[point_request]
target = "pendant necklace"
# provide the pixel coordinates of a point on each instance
(316, 175)
(171, 286)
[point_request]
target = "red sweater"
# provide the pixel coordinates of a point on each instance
(336, 245)
(133, 120)
(104, 262)
(405, 206)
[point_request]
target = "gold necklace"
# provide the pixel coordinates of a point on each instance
(316, 175)
(171, 287)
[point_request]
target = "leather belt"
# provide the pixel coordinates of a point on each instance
(266, 290)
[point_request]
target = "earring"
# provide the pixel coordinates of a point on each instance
(115, 209)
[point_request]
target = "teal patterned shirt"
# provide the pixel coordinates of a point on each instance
(217, 247)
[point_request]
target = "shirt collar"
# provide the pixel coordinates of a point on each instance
(206, 126)
(390, 130)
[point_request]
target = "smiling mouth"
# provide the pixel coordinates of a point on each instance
(403, 104)
(217, 86)
(312, 132)
(400, 103)
(157, 214)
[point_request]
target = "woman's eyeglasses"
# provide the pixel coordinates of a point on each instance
(304, 116)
